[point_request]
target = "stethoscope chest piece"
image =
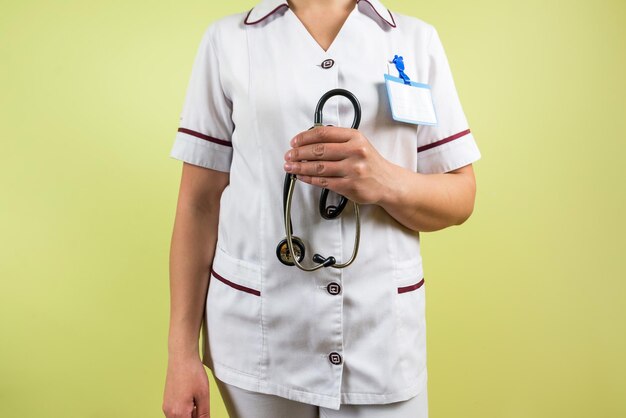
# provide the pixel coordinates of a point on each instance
(284, 255)
(292, 245)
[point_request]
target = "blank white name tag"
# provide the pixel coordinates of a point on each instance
(410, 103)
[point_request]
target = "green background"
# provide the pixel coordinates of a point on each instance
(525, 300)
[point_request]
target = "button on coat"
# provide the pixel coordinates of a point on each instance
(328, 63)
(254, 84)
(335, 358)
(333, 288)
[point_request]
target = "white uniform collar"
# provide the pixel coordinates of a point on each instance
(266, 8)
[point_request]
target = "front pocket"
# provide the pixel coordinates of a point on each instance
(410, 288)
(235, 285)
(233, 315)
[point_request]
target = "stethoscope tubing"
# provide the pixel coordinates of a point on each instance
(330, 261)
(338, 92)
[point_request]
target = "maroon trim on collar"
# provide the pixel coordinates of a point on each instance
(245, 21)
(235, 285)
(386, 21)
(415, 286)
(205, 137)
(264, 17)
(443, 141)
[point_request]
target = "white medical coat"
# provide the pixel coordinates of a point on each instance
(354, 335)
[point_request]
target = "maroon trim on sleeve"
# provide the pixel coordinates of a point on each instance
(443, 141)
(415, 286)
(264, 17)
(235, 285)
(205, 137)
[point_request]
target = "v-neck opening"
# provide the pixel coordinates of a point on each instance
(310, 37)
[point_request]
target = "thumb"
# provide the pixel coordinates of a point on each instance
(202, 408)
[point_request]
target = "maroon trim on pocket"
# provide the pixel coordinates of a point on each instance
(415, 286)
(443, 141)
(235, 285)
(205, 137)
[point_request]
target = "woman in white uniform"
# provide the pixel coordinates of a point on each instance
(281, 341)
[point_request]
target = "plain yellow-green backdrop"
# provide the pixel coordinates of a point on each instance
(526, 299)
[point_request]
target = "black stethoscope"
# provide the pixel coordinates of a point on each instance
(294, 245)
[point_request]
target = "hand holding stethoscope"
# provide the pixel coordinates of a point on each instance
(338, 159)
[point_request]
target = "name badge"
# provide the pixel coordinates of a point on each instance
(411, 103)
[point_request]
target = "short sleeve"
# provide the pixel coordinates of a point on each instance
(205, 128)
(450, 144)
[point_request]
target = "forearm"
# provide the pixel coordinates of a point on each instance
(427, 202)
(191, 254)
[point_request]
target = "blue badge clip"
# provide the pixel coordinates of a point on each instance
(399, 61)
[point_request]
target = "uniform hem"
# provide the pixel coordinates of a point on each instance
(254, 383)
(372, 398)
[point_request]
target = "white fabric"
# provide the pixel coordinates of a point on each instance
(242, 403)
(271, 328)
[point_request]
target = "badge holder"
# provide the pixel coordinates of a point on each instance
(410, 102)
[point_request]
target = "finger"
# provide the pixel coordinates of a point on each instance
(319, 151)
(317, 168)
(322, 134)
(336, 184)
(202, 409)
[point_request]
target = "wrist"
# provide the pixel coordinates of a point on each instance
(393, 186)
(183, 353)
(182, 344)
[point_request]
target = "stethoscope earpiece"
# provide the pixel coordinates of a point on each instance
(331, 212)
(294, 245)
